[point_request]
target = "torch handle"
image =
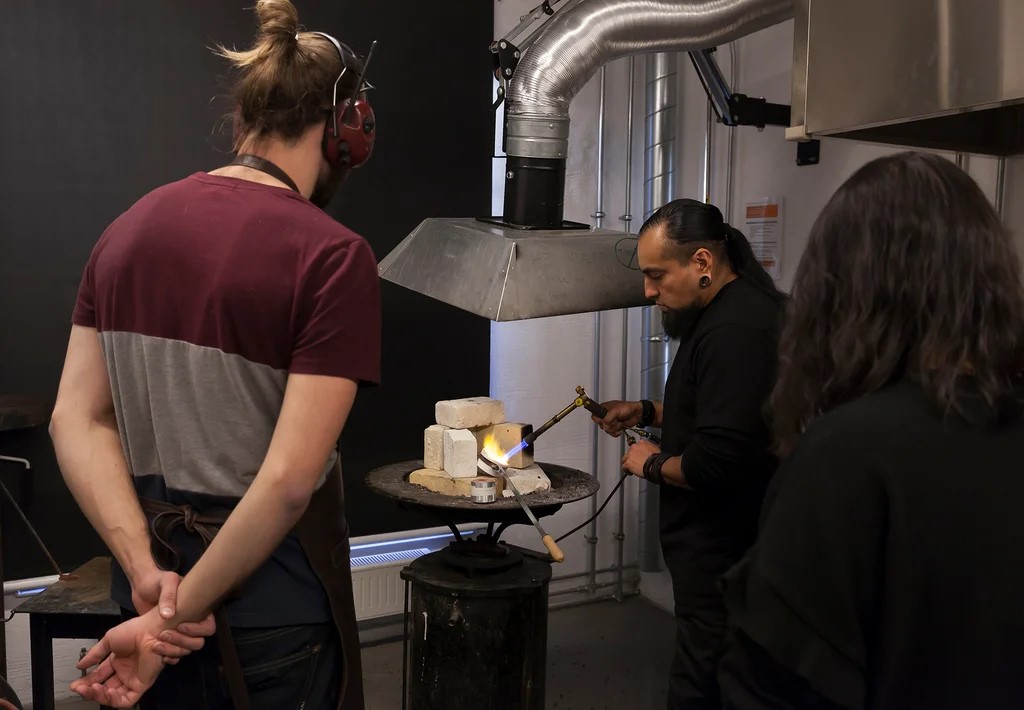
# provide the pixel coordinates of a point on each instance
(553, 549)
(594, 408)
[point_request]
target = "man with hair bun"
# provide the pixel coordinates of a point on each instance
(223, 326)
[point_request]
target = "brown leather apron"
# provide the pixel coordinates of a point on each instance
(322, 532)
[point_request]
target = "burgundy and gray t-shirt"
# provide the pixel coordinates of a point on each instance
(206, 294)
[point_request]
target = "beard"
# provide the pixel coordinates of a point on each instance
(679, 323)
(326, 187)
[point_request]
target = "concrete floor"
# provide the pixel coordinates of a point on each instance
(603, 655)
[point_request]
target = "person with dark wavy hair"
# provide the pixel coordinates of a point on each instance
(887, 572)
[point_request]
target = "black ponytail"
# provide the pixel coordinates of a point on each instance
(692, 224)
(745, 264)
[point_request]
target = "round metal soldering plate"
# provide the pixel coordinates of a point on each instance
(567, 485)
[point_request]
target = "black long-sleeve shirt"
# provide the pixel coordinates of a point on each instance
(714, 417)
(889, 569)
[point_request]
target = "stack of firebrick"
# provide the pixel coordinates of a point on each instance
(462, 429)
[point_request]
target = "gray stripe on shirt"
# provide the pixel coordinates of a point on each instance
(197, 416)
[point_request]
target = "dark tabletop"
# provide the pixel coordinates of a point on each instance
(84, 591)
(19, 411)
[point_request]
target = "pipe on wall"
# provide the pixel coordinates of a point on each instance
(627, 219)
(660, 129)
(595, 454)
(730, 160)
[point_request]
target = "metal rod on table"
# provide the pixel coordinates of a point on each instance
(32, 530)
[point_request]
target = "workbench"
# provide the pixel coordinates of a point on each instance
(16, 412)
(77, 606)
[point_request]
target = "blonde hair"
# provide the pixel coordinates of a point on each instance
(285, 81)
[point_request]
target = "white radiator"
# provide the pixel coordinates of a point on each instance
(376, 583)
(377, 560)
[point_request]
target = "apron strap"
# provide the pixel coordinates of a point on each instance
(167, 518)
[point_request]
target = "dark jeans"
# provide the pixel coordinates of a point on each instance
(285, 668)
(700, 637)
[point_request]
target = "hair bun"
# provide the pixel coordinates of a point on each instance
(279, 20)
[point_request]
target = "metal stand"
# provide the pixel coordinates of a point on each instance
(476, 629)
(476, 611)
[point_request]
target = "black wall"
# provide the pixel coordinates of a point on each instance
(100, 102)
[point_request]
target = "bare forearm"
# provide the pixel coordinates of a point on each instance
(258, 524)
(312, 416)
(672, 472)
(92, 462)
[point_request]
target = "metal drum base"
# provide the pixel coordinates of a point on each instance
(476, 640)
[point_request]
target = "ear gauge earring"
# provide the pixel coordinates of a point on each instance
(705, 281)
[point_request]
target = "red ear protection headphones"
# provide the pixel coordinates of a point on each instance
(350, 132)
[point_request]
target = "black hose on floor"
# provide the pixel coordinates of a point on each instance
(594, 516)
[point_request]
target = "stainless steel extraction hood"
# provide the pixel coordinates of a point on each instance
(532, 263)
(506, 274)
(939, 74)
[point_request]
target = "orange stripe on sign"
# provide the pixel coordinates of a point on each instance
(762, 211)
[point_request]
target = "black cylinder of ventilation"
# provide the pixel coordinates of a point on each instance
(534, 192)
(476, 640)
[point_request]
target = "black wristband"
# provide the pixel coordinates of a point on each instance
(657, 465)
(646, 412)
(652, 468)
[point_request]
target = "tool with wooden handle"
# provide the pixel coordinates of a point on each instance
(493, 468)
(549, 542)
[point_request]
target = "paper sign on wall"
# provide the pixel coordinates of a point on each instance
(764, 230)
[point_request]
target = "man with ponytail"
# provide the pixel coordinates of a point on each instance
(714, 462)
(223, 327)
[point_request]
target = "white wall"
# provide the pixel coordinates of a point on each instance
(536, 364)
